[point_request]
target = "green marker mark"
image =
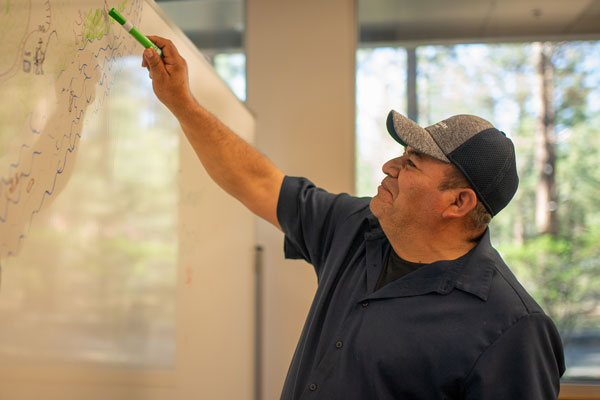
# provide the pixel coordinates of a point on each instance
(95, 26)
(133, 31)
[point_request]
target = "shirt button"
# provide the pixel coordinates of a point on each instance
(364, 304)
(312, 387)
(339, 344)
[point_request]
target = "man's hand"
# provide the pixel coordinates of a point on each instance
(169, 75)
(232, 163)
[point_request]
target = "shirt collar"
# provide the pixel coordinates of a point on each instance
(476, 276)
(471, 273)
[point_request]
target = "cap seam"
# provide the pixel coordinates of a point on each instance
(437, 144)
(422, 130)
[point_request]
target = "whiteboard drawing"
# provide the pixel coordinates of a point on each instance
(56, 68)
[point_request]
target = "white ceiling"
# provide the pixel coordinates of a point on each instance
(478, 20)
(220, 23)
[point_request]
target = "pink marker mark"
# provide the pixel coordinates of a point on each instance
(188, 275)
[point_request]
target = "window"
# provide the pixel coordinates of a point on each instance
(216, 27)
(550, 233)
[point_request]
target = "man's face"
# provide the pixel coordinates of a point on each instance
(408, 196)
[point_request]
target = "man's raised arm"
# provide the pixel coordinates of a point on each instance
(230, 161)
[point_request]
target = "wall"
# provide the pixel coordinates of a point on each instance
(301, 79)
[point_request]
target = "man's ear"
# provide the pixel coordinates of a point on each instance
(463, 201)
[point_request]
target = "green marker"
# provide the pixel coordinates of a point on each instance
(133, 31)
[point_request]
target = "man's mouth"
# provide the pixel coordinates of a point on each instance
(383, 187)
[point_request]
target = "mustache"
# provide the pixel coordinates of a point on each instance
(385, 184)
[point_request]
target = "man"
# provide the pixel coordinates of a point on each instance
(412, 302)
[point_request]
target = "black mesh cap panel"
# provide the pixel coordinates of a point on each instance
(488, 162)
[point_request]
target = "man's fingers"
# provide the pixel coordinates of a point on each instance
(153, 62)
(168, 73)
(167, 47)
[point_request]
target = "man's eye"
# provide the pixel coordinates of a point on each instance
(409, 162)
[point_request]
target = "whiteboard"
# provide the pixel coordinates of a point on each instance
(118, 277)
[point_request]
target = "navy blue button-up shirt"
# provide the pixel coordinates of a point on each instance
(462, 329)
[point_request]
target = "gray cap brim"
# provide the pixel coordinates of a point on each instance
(408, 133)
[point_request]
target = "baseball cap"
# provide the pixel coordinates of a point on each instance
(485, 155)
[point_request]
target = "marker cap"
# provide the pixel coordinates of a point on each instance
(117, 16)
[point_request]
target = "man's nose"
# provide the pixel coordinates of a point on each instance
(393, 166)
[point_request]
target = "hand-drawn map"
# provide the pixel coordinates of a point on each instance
(59, 57)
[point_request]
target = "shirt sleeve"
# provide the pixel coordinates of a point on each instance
(309, 217)
(525, 362)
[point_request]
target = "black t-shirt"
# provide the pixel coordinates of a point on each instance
(396, 267)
